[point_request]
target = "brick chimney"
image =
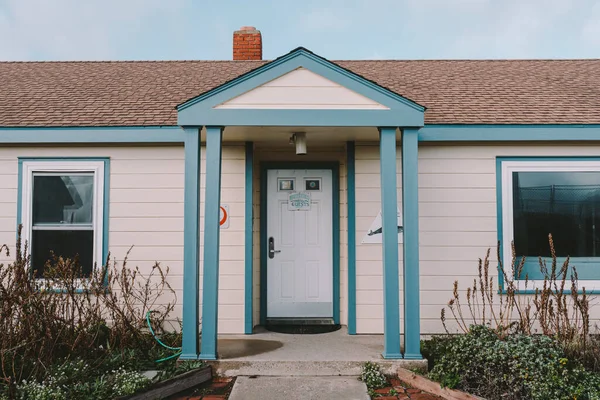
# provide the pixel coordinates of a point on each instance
(247, 44)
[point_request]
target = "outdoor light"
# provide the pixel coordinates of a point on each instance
(299, 139)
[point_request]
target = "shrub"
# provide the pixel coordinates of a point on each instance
(559, 309)
(62, 316)
(372, 376)
(516, 366)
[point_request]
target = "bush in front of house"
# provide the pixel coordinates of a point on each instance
(51, 328)
(512, 367)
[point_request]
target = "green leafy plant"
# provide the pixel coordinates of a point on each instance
(560, 308)
(372, 376)
(512, 367)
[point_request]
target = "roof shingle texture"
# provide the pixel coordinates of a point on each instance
(138, 93)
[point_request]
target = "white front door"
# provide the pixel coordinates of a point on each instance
(299, 244)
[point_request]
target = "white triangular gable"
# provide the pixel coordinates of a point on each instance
(302, 89)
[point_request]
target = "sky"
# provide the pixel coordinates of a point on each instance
(32, 30)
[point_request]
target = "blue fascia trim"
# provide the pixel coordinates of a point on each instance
(248, 274)
(200, 110)
(191, 247)
(351, 187)
(105, 195)
(210, 284)
(499, 213)
(389, 217)
(410, 218)
(334, 167)
(239, 117)
(291, 61)
(508, 133)
(71, 135)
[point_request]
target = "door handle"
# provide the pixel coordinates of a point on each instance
(272, 250)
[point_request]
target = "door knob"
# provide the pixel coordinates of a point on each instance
(272, 250)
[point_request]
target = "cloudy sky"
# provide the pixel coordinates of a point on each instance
(336, 29)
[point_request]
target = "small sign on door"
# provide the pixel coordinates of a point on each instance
(299, 201)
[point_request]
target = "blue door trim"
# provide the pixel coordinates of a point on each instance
(410, 220)
(335, 172)
(389, 218)
(249, 252)
(351, 187)
(191, 247)
(212, 204)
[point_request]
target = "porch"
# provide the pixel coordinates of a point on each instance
(309, 97)
(328, 354)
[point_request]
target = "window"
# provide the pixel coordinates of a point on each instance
(62, 211)
(552, 196)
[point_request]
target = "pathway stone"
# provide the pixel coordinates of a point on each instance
(299, 388)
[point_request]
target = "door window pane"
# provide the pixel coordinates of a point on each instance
(63, 199)
(565, 204)
(64, 243)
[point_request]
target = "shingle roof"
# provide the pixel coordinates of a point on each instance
(137, 93)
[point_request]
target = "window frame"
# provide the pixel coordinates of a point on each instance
(98, 167)
(505, 168)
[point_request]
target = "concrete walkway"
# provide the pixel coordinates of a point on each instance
(328, 354)
(298, 388)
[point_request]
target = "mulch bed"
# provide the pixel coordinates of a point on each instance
(217, 389)
(398, 390)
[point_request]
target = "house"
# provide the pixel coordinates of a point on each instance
(353, 192)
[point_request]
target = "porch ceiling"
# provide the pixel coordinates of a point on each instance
(281, 134)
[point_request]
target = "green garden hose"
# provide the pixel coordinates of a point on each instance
(177, 349)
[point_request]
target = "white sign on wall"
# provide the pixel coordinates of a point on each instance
(224, 216)
(374, 234)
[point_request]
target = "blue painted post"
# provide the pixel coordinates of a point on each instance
(389, 217)
(191, 245)
(351, 172)
(212, 204)
(410, 218)
(248, 274)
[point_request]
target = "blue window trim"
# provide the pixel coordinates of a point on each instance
(105, 196)
(500, 228)
(200, 109)
(335, 172)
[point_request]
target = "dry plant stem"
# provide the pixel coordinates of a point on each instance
(63, 315)
(558, 313)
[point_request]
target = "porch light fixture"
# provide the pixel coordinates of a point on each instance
(299, 139)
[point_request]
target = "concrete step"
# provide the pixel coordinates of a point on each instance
(307, 367)
(305, 388)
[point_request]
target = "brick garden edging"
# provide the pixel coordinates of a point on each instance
(426, 385)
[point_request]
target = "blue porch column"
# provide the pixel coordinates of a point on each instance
(191, 241)
(212, 204)
(410, 218)
(389, 217)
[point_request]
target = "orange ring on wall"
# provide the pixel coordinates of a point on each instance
(222, 221)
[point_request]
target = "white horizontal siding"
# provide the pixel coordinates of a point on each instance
(146, 213)
(457, 223)
(302, 89)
